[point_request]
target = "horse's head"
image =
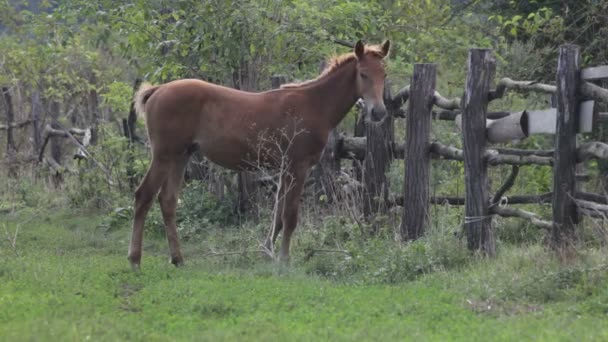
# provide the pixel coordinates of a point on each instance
(370, 78)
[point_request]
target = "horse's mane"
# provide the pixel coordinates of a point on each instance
(335, 63)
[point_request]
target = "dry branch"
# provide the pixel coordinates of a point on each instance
(495, 158)
(520, 152)
(52, 132)
(527, 215)
(589, 196)
(592, 209)
(492, 156)
(15, 125)
(507, 83)
(590, 150)
(449, 104)
(515, 199)
(401, 97)
(592, 91)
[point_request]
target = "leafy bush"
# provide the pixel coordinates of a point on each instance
(200, 209)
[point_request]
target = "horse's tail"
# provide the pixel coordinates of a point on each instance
(141, 97)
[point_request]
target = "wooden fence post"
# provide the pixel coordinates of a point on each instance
(417, 148)
(378, 156)
(478, 221)
(564, 167)
(35, 116)
(94, 111)
(56, 152)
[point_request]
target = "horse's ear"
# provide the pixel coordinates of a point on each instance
(386, 47)
(359, 49)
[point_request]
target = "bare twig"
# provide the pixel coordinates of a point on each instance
(15, 125)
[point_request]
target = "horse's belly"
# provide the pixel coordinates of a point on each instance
(240, 155)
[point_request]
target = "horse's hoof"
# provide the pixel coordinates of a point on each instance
(177, 261)
(135, 267)
(135, 262)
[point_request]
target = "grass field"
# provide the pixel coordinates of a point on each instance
(66, 279)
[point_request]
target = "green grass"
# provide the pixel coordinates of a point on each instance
(68, 279)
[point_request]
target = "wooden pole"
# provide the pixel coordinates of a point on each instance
(564, 169)
(417, 152)
(478, 222)
(11, 148)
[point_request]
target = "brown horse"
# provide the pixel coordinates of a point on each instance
(285, 128)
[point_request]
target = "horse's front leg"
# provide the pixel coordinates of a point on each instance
(277, 221)
(293, 183)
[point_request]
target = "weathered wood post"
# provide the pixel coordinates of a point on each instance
(478, 221)
(417, 161)
(564, 167)
(11, 148)
(35, 115)
(94, 111)
(378, 156)
(56, 153)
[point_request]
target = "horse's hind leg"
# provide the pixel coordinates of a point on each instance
(144, 197)
(168, 203)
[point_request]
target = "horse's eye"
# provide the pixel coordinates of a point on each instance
(364, 76)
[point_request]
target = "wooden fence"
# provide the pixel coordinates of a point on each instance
(574, 113)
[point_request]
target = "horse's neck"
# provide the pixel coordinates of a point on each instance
(336, 94)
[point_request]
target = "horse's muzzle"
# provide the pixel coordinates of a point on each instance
(377, 114)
